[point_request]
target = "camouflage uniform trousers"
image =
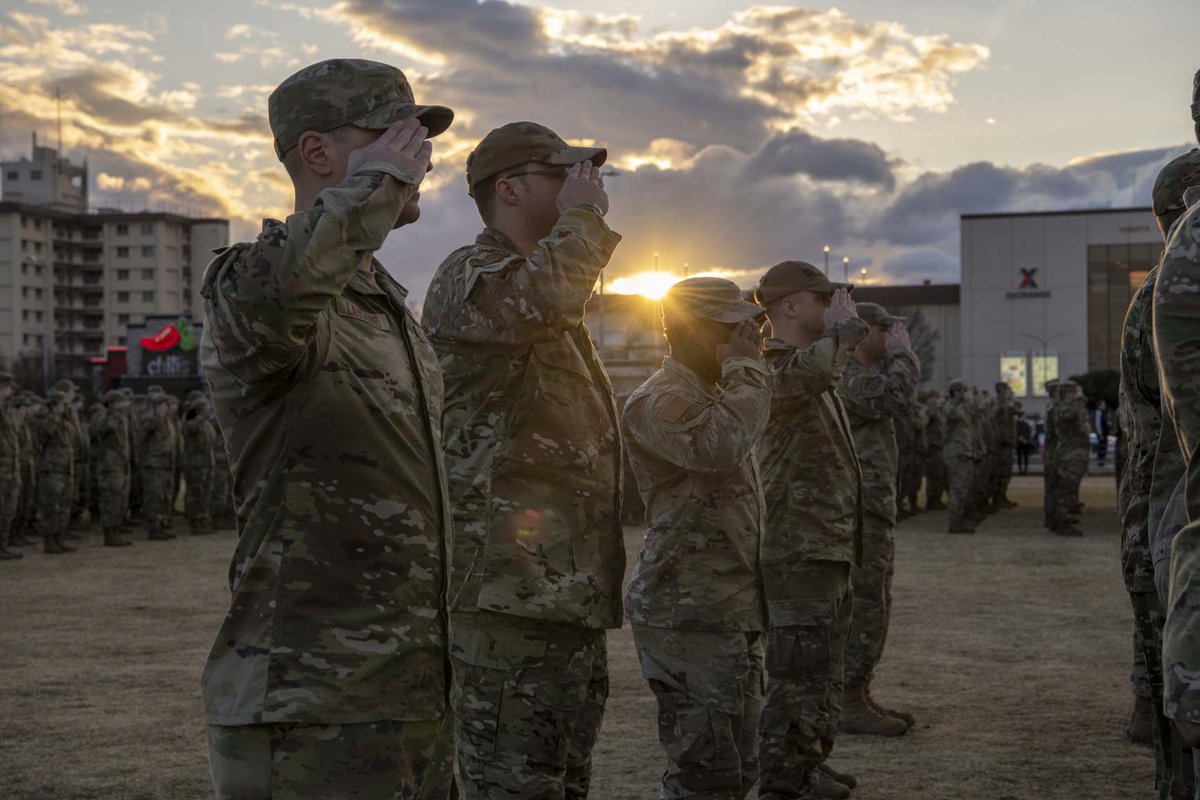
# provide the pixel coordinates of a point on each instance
(54, 494)
(157, 498)
(221, 502)
(197, 499)
(809, 604)
(872, 586)
(1173, 758)
(1002, 470)
(910, 479)
(936, 477)
(27, 504)
(709, 688)
(10, 500)
(529, 697)
(1068, 474)
(1139, 674)
(962, 477)
(79, 499)
(113, 490)
(384, 760)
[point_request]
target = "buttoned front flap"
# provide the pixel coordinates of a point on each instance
(350, 310)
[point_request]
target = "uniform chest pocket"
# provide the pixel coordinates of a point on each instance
(352, 311)
(561, 354)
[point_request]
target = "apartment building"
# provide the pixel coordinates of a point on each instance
(72, 280)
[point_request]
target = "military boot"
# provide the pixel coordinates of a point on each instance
(113, 539)
(56, 545)
(19, 539)
(824, 786)
(859, 716)
(9, 555)
(1067, 529)
(960, 527)
(903, 716)
(844, 778)
(159, 534)
(1141, 722)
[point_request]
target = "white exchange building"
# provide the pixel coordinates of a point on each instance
(1044, 294)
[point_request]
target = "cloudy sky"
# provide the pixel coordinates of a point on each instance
(745, 133)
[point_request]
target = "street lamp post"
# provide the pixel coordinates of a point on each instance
(845, 269)
(826, 260)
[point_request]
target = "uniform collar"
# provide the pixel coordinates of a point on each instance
(490, 237)
(685, 373)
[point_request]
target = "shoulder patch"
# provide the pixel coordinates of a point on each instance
(676, 409)
(484, 263)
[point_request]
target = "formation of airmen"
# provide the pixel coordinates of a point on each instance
(430, 544)
(430, 547)
(121, 460)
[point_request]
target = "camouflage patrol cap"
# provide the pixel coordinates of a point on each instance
(125, 390)
(7, 379)
(66, 385)
(346, 91)
(1177, 176)
(55, 397)
(19, 401)
(114, 396)
(957, 383)
(788, 277)
(1001, 386)
(875, 314)
(154, 389)
(711, 298)
(519, 143)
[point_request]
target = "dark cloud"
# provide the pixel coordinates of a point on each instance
(921, 264)
(799, 153)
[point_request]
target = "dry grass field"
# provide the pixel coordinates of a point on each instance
(1011, 647)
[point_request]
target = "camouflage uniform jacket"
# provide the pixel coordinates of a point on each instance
(811, 477)
(111, 435)
(158, 441)
(198, 442)
(1073, 430)
(10, 445)
(329, 398)
(935, 428)
(691, 446)
(1139, 404)
(1004, 416)
(1176, 318)
(873, 398)
(960, 431)
(532, 445)
(55, 443)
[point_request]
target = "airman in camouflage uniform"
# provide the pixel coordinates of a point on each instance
(1176, 319)
(695, 599)
(1140, 411)
(331, 667)
(960, 457)
(111, 456)
(1005, 424)
(10, 466)
(906, 443)
(879, 382)
(1049, 454)
(813, 535)
(198, 466)
(158, 467)
(1071, 456)
(533, 453)
(936, 476)
(56, 437)
(29, 410)
(137, 413)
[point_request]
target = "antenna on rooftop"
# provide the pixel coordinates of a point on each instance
(58, 117)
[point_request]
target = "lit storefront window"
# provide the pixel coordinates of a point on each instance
(1044, 367)
(1115, 272)
(1012, 372)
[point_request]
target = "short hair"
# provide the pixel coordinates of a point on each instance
(484, 195)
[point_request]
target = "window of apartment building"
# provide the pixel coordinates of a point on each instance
(147, 250)
(122, 274)
(148, 297)
(122, 297)
(120, 341)
(24, 246)
(35, 174)
(122, 230)
(37, 224)
(12, 176)
(122, 319)
(147, 229)
(148, 274)
(37, 247)
(122, 252)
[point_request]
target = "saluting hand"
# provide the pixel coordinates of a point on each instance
(745, 342)
(403, 145)
(840, 307)
(583, 185)
(897, 337)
